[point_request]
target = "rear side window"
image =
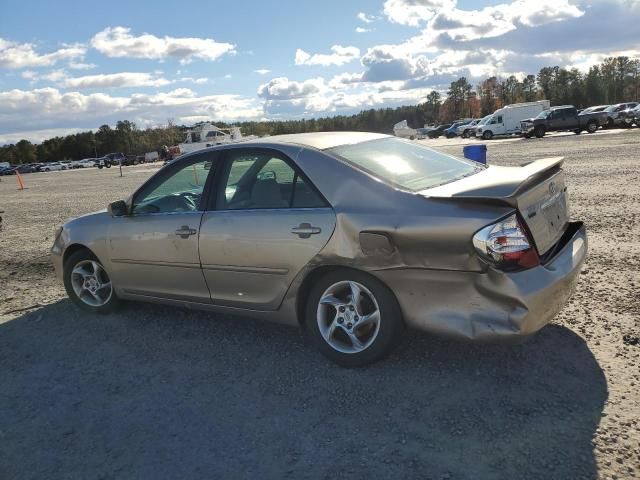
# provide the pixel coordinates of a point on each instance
(405, 164)
(264, 180)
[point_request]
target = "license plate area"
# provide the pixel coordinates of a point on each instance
(545, 210)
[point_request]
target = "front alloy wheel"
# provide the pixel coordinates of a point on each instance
(88, 284)
(353, 318)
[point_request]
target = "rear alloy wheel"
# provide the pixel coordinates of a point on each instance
(353, 318)
(592, 127)
(488, 135)
(540, 131)
(88, 284)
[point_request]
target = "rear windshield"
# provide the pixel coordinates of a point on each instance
(405, 164)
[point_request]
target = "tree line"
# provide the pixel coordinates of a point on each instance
(615, 80)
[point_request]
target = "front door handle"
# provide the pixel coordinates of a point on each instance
(305, 230)
(185, 231)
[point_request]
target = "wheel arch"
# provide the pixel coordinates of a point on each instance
(316, 273)
(73, 248)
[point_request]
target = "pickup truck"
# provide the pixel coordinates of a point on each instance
(565, 117)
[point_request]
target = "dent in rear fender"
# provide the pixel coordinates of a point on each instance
(486, 305)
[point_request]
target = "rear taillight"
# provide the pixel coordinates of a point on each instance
(505, 245)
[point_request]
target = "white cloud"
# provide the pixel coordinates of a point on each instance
(115, 80)
(22, 55)
(29, 75)
(49, 108)
(81, 65)
(262, 71)
(339, 56)
(415, 12)
(363, 30)
(119, 42)
(281, 88)
(345, 79)
(442, 17)
(363, 17)
(197, 81)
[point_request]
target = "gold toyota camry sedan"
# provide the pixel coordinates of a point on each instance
(352, 236)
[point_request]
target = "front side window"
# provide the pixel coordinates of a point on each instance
(181, 191)
(264, 180)
(405, 164)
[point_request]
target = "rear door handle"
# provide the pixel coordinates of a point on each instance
(305, 230)
(185, 231)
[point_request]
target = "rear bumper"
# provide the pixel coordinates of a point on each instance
(490, 305)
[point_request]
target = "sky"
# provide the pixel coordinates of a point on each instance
(69, 65)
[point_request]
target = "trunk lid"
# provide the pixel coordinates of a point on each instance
(536, 190)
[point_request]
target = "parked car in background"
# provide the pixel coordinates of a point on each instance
(438, 131)
(442, 244)
(452, 131)
(465, 130)
(6, 169)
(630, 116)
(422, 133)
(598, 108)
(86, 163)
(616, 118)
(53, 166)
(562, 118)
(111, 159)
(24, 169)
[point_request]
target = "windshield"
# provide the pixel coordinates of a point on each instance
(611, 108)
(485, 119)
(405, 164)
(544, 114)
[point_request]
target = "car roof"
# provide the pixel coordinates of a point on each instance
(320, 140)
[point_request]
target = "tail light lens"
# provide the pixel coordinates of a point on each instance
(505, 245)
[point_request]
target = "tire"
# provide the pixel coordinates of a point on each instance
(577, 131)
(100, 167)
(465, 134)
(610, 123)
(487, 135)
(592, 127)
(375, 336)
(526, 135)
(539, 132)
(412, 137)
(85, 281)
(47, 170)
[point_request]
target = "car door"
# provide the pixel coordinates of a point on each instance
(267, 224)
(154, 250)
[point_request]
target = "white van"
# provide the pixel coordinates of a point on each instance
(506, 120)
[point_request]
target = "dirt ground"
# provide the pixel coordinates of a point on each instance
(157, 392)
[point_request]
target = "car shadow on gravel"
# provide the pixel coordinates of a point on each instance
(158, 392)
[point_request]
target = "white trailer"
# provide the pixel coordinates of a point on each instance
(151, 157)
(506, 120)
(403, 130)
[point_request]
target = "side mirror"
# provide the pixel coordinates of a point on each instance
(118, 209)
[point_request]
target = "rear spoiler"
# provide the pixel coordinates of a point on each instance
(498, 184)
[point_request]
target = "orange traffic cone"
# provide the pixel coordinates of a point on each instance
(20, 182)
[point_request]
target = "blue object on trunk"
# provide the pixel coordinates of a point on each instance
(477, 153)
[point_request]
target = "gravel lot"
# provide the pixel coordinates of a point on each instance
(155, 392)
